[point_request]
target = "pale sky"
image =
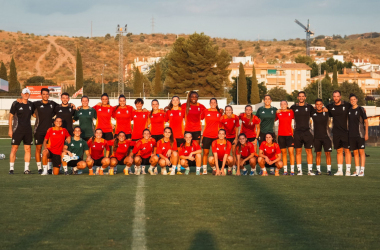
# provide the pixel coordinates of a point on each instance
(241, 19)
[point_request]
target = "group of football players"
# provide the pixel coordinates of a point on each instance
(141, 137)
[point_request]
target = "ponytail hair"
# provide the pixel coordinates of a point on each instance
(217, 107)
(238, 144)
(154, 100)
(225, 133)
(105, 94)
(93, 137)
(250, 120)
(191, 142)
(188, 100)
(118, 105)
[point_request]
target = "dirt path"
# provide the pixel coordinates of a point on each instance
(38, 63)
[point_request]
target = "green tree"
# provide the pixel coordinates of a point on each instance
(262, 90)
(79, 71)
(277, 93)
(164, 64)
(38, 81)
(3, 72)
(14, 86)
(242, 86)
(347, 88)
(327, 77)
(312, 91)
(335, 77)
(255, 94)
(157, 80)
(138, 83)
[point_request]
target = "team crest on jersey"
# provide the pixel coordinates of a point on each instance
(179, 113)
(306, 108)
(199, 109)
(272, 112)
(62, 133)
(225, 123)
(127, 112)
(108, 110)
(143, 116)
(89, 113)
(80, 145)
(356, 112)
(51, 106)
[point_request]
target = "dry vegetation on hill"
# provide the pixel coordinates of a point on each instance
(54, 57)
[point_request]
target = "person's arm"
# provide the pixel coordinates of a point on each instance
(224, 163)
(44, 144)
(10, 130)
(107, 153)
(216, 163)
(87, 153)
(261, 154)
(366, 129)
(257, 132)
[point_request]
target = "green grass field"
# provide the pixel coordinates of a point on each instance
(189, 212)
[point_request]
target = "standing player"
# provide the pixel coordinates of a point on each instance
(145, 154)
(157, 121)
(270, 155)
(285, 135)
(53, 145)
(140, 120)
(221, 149)
(210, 130)
(20, 129)
(322, 136)
(230, 123)
(86, 115)
(338, 110)
(190, 154)
(245, 154)
(193, 111)
(65, 111)
(104, 113)
(302, 134)
(123, 116)
(358, 134)
(120, 154)
(250, 124)
(167, 151)
(267, 116)
(99, 160)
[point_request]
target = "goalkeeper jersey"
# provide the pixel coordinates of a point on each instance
(77, 147)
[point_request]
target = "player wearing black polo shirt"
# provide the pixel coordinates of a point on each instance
(322, 136)
(20, 129)
(302, 134)
(358, 134)
(338, 110)
(66, 111)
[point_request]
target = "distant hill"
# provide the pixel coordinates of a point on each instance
(54, 56)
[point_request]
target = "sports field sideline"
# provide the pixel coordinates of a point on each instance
(189, 212)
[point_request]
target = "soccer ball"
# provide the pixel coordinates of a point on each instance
(2, 156)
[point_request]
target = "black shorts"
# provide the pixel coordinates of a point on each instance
(356, 143)
(179, 142)
(191, 163)
(127, 136)
(251, 139)
(107, 136)
(196, 135)
(74, 163)
(39, 138)
(303, 139)
(326, 143)
(121, 162)
(270, 166)
(220, 164)
(55, 159)
(285, 141)
(262, 137)
(24, 136)
(157, 137)
(340, 141)
(98, 162)
(145, 161)
(231, 140)
(206, 142)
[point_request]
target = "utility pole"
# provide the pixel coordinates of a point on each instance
(120, 31)
(152, 24)
(319, 82)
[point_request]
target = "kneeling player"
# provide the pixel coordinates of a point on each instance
(53, 146)
(167, 151)
(270, 155)
(120, 154)
(245, 154)
(144, 152)
(99, 160)
(72, 154)
(190, 154)
(221, 149)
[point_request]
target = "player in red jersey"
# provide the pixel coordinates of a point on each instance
(167, 151)
(190, 154)
(120, 154)
(231, 123)
(245, 154)
(269, 155)
(157, 121)
(123, 116)
(221, 149)
(145, 154)
(99, 160)
(54, 142)
(210, 130)
(104, 113)
(193, 111)
(250, 124)
(285, 135)
(140, 118)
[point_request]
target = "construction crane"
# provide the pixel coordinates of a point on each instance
(309, 34)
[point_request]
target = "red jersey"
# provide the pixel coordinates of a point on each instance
(212, 122)
(186, 150)
(229, 124)
(140, 122)
(97, 148)
(247, 150)
(175, 119)
(163, 147)
(157, 123)
(285, 122)
(103, 118)
(122, 149)
(56, 139)
(123, 117)
(249, 129)
(221, 148)
(144, 148)
(193, 118)
(270, 151)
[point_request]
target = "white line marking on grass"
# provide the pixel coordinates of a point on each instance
(138, 233)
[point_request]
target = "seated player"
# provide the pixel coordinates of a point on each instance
(167, 151)
(270, 155)
(53, 146)
(190, 154)
(144, 154)
(221, 149)
(120, 156)
(72, 154)
(99, 160)
(245, 154)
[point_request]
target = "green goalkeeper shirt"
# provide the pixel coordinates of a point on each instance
(77, 147)
(86, 117)
(267, 118)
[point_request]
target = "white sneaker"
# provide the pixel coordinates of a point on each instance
(354, 174)
(300, 173)
(44, 173)
(348, 173)
(204, 172)
(361, 174)
(172, 172)
(137, 171)
(339, 173)
(143, 172)
(310, 173)
(164, 172)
